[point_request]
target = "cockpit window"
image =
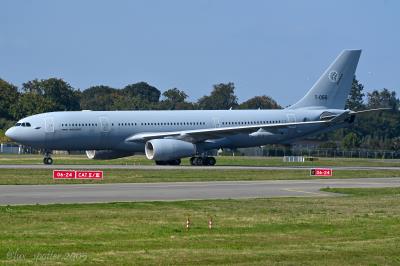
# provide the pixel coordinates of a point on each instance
(24, 124)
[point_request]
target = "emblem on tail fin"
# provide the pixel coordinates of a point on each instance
(332, 88)
(334, 76)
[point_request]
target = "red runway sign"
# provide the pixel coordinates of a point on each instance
(77, 174)
(321, 172)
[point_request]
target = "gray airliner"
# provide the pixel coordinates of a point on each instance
(168, 136)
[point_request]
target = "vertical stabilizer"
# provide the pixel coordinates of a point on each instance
(333, 87)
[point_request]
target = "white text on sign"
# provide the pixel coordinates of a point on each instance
(77, 174)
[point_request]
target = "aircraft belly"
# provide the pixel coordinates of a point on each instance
(257, 140)
(76, 139)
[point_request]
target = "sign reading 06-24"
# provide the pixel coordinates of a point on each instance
(321, 172)
(77, 174)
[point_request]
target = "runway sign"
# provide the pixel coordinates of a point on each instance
(321, 172)
(77, 174)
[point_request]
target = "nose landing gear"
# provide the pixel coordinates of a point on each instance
(47, 158)
(207, 161)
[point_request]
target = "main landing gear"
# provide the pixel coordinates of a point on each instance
(47, 158)
(170, 162)
(208, 161)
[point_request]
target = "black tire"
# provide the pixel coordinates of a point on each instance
(161, 163)
(47, 160)
(198, 161)
(211, 161)
(192, 160)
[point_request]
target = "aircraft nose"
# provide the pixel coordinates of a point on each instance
(10, 133)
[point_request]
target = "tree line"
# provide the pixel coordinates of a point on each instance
(53, 94)
(375, 130)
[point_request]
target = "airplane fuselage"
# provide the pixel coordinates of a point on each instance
(106, 130)
(168, 136)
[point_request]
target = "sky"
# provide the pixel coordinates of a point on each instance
(275, 48)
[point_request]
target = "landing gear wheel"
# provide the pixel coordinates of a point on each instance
(198, 161)
(210, 161)
(48, 160)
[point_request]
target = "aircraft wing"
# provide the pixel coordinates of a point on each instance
(198, 135)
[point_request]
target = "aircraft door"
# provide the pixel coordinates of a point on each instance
(291, 118)
(49, 124)
(49, 131)
(105, 124)
(216, 122)
(291, 130)
(105, 127)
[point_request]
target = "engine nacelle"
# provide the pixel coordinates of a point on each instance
(168, 149)
(107, 154)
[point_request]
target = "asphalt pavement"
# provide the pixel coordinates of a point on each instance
(175, 191)
(183, 167)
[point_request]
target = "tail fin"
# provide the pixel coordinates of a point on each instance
(333, 87)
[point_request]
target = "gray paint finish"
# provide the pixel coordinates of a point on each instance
(128, 131)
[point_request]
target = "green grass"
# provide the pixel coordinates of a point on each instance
(221, 160)
(392, 191)
(44, 176)
(356, 230)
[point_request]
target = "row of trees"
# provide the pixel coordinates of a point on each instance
(46, 95)
(373, 130)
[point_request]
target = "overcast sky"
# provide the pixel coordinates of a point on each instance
(278, 48)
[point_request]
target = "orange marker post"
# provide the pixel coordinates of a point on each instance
(188, 223)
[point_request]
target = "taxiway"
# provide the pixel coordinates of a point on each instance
(124, 192)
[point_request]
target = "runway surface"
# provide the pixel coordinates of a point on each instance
(158, 167)
(90, 193)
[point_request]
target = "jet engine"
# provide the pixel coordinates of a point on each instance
(168, 149)
(107, 154)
